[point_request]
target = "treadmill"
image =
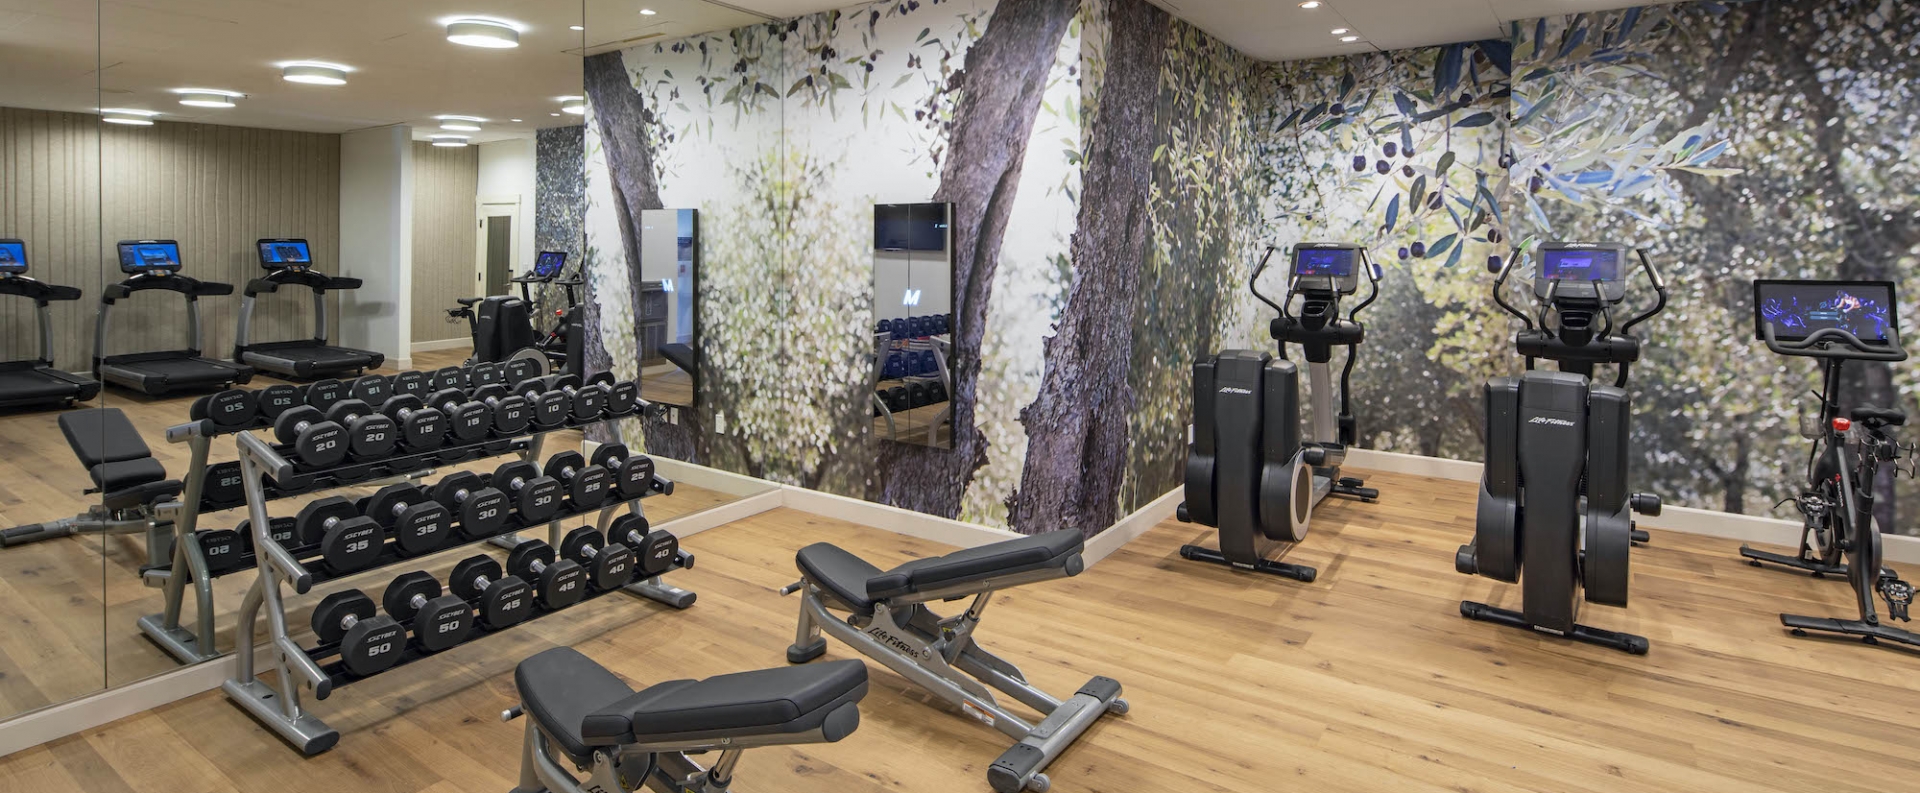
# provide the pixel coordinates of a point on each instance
(155, 265)
(289, 263)
(33, 382)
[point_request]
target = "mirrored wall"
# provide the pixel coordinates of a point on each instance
(913, 323)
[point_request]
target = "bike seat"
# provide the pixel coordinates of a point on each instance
(468, 301)
(1880, 417)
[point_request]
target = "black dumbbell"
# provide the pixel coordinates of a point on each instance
(520, 370)
(277, 399)
(316, 442)
(371, 389)
(556, 584)
(418, 524)
(535, 498)
(422, 428)
(413, 383)
(623, 396)
(584, 486)
(348, 541)
(510, 413)
(454, 377)
(632, 473)
(222, 486)
(369, 644)
(550, 408)
(469, 421)
(438, 621)
(321, 394)
(233, 408)
(654, 552)
(482, 375)
(608, 567)
(916, 394)
(589, 399)
(502, 600)
(370, 435)
(481, 510)
(284, 531)
(222, 550)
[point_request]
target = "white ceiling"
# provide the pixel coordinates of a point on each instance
(406, 71)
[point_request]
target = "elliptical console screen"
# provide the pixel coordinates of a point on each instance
(549, 264)
(1580, 264)
(1798, 308)
(13, 256)
(140, 256)
(281, 254)
(1326, 262)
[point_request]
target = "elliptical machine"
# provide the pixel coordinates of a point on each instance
(1554, 438)
(1249, 473)
(1827, 320)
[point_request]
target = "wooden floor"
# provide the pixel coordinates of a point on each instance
(1366, 680)
(69, 609)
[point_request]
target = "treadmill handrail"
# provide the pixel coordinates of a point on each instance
(39, 291)
(318, 282)
(191, 287)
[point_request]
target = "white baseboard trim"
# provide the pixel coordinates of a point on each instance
(441, 344)
(715, 517)
(706, 478)
(893, 519)
(1132, 526)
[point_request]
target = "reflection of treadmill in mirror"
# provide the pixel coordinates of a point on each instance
(155, 264)
(289, 262)
(34, 381)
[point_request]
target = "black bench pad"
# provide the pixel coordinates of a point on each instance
(102, 435)
(858, 585)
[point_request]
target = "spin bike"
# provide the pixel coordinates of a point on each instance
(1826, 320)
(1249, 473)
(1553, 494)
(503, 325)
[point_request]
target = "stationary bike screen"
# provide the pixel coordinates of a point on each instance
(13, 256)
(281, 254)
(549, 264)
(139, 256)
(1797, 309)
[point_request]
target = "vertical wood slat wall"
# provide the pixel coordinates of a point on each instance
(73, 186)
(446, 182)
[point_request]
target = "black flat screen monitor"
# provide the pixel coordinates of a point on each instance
(284, 253)
(1580, 264)
(1798, 308)
(1583, 271)
(1339, 263)
(549, 264)
(13, 256)
(910, 227)
(144, 256)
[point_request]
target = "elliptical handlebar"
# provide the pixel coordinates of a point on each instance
(1659, 289)
(1500, 284)
(1253, 283)
(1373, 285)
(1821, 344)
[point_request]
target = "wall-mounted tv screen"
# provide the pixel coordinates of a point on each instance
(910, 227)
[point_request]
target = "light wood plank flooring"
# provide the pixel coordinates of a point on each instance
(69, 609)
(1366, 680)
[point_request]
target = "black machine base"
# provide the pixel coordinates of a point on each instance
(1624, 642)
(1350, 487)
(1868, 632)
(1297, 572)
(1759, 558)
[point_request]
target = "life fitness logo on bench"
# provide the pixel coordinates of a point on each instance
(898, 644)
(1551, 420)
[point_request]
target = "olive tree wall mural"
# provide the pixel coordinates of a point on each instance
(1115, 174)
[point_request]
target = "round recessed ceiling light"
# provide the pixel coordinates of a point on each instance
(1340, 31)
(448, 141)
(489, 33)
(1349, 39)
(1310, 4)
(647, 12)
(314, 73)
(576, 105)
(207, 97)
(121, 115)
(460, 123)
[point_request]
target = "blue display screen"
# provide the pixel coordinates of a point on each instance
(1798, 308)
(550, 263)
(1580, 265)
(1332, 262)
(275, 254)
(13, 256)
(144, 255)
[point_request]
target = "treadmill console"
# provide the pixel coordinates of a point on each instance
(13, 257)
(1583, 271)
(549, 264)
(149, 256)
(1797, 309)
(1327, 266)
(285, 254)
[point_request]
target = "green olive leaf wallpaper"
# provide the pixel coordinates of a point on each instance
(1114, 174)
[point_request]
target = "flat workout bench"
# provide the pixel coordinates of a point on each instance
(628, 740)
(889, 622)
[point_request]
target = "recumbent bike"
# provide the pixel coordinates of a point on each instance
(1249, 473)
(1836, 322)
(1554, 499)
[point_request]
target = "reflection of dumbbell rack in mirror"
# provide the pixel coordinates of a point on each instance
(913, 380)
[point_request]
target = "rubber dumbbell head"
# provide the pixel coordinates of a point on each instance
(316, 442)
(417, 523)
(535, 498)
(608, 567)
(654, 551)
(347, 540)
(583, 486)
(370, 435)
(321, 394)
(422, 428)
(223, 486)
(510, 413)
(520, 370)
(454, 377)
(632, 474)
(372, 389)
(480, 510)
(413, 383)
(222, 550)
(557, 584)
(486, 374)
(502, 600)
(467, 420)
(277, 399)
(369, 644)
(283, 531)
(233, 408)
(438, 621)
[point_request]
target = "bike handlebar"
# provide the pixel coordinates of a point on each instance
(1820, 344)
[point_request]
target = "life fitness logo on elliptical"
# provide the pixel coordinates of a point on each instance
(1235, 390)
(1550, 420)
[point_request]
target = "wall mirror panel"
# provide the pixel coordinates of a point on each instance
(669, 319)
(913, 323)
(53, 585)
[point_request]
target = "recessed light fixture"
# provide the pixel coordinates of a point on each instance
(449, 141)
(460, 123)
(553, 114)
(575, 105)
(315, 72)
(515, 120)
(647, 12)
(133, 118)
(1349, 39)
(495, 34)
(1310, 4)
(575, 27)
(1340, 31)
(207, 97)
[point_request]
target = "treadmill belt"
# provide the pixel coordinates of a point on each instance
(162, 375)
(308, 360)
(27, 386)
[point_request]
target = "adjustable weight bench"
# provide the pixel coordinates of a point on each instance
(131, 482)
(888, 621)
(627, 740)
